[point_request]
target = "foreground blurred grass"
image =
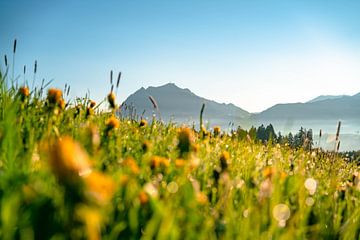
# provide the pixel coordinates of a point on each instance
(72, 172)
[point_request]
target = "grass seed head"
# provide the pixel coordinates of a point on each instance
(111, 100)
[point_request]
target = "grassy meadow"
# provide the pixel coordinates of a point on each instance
(69, 170)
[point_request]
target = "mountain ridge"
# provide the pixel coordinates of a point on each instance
(176, 102)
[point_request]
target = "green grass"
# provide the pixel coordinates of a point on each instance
(139, 188)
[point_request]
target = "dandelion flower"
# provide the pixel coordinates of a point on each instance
(217, 130)
(24, 93)
(68, 159)
(99, 187)
(54, 96)
(143, 123)
(112, 123)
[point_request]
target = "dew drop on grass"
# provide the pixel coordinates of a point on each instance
(309, 201)
(281, 213)
(310, 185)
(246, 213)
(172, 187)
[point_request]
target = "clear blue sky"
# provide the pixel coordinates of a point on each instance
(252, 53)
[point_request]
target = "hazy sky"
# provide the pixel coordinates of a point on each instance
(252, 53)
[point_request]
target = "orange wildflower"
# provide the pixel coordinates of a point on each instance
(143, 123)
(24, 93)
(54, 96)
(143, 197)
(268, 172)
(112, 123)
(68, 159)
(100, 187)
(131, 163)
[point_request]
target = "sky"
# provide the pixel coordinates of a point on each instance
(253, 53)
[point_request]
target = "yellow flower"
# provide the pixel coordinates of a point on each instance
(112, 123)
(99, 187)
(143, 197)
(92, 220)
(124, 179)
(224, 158)
(24, 93)
(54, 96)
(157, 161)
(186, 138)
(268, 172)
(68, 160)
(201, 198)
(180, 162)
(131, 163)
(143, 123)
(217, 130)
(92, 104)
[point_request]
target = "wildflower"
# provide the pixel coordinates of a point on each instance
(99, 187)
(124, 179)
(224, 158)
(143, 198)
(131, 163)
(112, 123)
(195, 148)
(146, 146)
(180, 162)
(54, 96)
(185, 138)
(157, 161)
(268, 172)
(92, 104)
(68, 160)
(143, 123)
(92, 219)
(217, 130)
(111, 100)
(24, 93)
(201, 198)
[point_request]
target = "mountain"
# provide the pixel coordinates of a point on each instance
(181, 105)
(326, 97)
(339, 107)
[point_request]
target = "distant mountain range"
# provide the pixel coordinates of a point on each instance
(326, 97)
(323, 107)
(181, 105)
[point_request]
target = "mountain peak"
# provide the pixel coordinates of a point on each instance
(181, 103)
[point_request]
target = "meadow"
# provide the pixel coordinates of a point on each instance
(71, 170)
